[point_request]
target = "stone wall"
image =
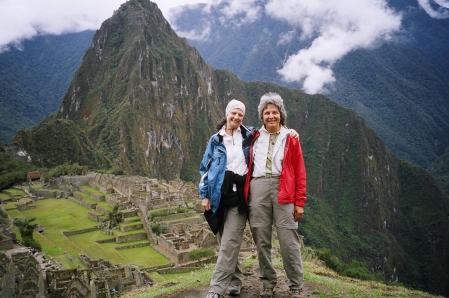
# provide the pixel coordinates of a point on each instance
(49, 193)
(115, 199)
(127, 228)
(83, 203)
(129, 213)
(132, 246)
(98, 198)
(30, 279)
(7, 277)
(24, 205)
(75, 181)
(106, 240)
(5, 241)
(177, 270)
(146, 226)
(70, 233)
(175, 216)
(100, 209)
(130, 238)
(95, 217)
(188, 221)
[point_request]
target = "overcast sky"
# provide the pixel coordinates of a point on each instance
(24, 19)
(333, 27)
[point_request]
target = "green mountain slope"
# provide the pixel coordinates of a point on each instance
(440, 169)
(146, 101)
(33, 80)
(400, 88)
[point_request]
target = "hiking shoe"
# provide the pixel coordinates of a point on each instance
(267, 293)
(234, 290)
(296, 293)
(214, 295)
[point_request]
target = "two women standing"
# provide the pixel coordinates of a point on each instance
(274, 186)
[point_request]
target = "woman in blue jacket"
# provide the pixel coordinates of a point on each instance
(223, 171)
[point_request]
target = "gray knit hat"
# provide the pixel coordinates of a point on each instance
(274, 99)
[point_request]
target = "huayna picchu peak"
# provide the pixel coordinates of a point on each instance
(145, 102)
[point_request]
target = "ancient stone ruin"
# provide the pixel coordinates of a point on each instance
(173, 206)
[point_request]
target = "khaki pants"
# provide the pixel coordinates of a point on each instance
(230, 239)
(264, 211)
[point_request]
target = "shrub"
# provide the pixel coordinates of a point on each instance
(330, 260)
(157, 228)
(200, 253)
(354, 270)
(31, 243)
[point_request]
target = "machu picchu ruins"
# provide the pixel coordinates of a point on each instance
(166, 215)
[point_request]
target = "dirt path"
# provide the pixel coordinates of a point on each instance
(251, 289)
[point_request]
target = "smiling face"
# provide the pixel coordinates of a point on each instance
(271, 118)
(234, 118)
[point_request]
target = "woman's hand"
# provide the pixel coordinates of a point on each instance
(298, 212)
(294, 134)
(206, 204)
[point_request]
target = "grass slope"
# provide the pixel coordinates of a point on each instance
(58, 215)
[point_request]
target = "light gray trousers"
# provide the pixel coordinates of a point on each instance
(227, 270)
(264, 211)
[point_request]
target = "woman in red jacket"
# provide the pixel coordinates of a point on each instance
(277, 194)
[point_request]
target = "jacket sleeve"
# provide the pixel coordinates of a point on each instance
(204, 168)
(300, 174)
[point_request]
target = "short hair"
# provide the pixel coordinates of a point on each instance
(276, 100)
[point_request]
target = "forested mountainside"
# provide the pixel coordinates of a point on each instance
(439, 169)
(145, 101)
(34, 79)
(400, 87)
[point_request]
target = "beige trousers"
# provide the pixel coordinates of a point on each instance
(264, 211)
(227, 270)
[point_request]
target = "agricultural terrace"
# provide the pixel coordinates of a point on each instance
(62, 215)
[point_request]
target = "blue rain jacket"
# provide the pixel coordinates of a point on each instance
(213, 166)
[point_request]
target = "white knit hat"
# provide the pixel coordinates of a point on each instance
(235, 104)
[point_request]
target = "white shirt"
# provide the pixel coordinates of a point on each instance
(235, 160)
(260, 151)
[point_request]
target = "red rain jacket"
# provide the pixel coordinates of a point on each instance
(292, 182)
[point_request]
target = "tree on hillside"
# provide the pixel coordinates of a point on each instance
(26, 230)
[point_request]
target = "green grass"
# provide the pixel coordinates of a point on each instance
(176, 276)
(38, 185)
(104, 205)
(147, 256)
(4, 196)
(58, 215)
(16, 192)
(156, 277)
(333, 285)
(168, 285)
(320, 281)
(86, 197)
(120, 233)
(131, 219)
(92, 190)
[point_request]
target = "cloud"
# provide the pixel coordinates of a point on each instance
(330, 28)
(240, 11)
(204, 24)
(231, 12)
(438, 9)
(195, 34)
(24, 19)
(334, 28)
